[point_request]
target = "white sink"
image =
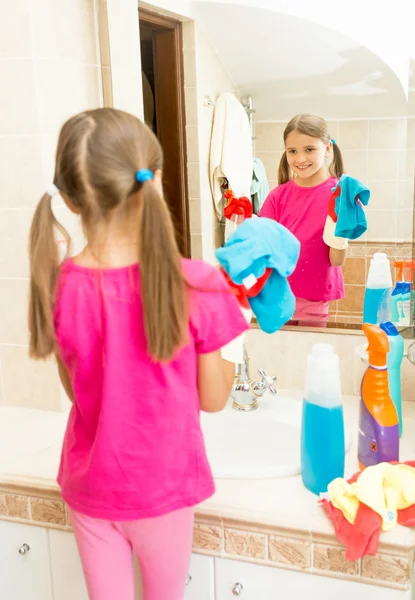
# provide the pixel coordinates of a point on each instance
(261, 444)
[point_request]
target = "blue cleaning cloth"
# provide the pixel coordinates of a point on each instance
(351, 218)
(256, 245)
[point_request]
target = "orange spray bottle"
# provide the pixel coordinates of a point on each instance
(378, 422)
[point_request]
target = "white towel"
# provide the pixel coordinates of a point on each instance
(230, 150)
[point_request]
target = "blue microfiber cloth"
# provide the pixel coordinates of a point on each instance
(256, 245)
(351, 218)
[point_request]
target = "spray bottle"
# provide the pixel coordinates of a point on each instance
(405, 319)
(396, 297)
(378, 287)
(395, 358)
(322, 438)
(378, 424)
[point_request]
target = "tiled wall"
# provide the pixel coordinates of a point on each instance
(205, 75)
(45, 77)
(284, 354)
(381, 153)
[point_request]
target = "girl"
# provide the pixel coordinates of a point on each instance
(137, 333)
(301, 204)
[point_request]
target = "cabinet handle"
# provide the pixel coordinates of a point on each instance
(189, 579)
(24, 549)
(237, 589)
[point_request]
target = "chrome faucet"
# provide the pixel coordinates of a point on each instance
(245, 393)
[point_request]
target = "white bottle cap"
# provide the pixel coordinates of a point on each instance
(380, 275)
(322, 381)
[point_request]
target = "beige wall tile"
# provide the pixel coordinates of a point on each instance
(48, 511)
(188, 28)
(18, 115)
(268, 137)
(14, 236)
(356, 164)
(195, 215)
(15, 17)
(384, 195)
(193, 177)
(354, 271)
(243, 543)
(65, 89)
(189, 64)
(406, 197)
(26, 382)
(353, 135)
(404, 225)
(386, 568)
(196, 245)
(14, 311)
(383, 165)
(192, 142)
(271, 161)
(387, 134)
(20, 171)
(14, 506)
(334, 129)
(381, 225)
(353, 300)
(289, 552)
(331, 558)
(207, 537)
(65, 30)
(190, 95)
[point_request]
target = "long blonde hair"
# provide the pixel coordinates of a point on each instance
(98, 155)
(316, 127)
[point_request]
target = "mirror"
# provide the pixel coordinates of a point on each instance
(295, 60)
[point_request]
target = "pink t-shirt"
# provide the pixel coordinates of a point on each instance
(133, 447)
(303, 211)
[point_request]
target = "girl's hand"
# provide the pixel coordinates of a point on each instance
(337, 257)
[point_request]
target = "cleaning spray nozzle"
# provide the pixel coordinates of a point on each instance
(378, 345)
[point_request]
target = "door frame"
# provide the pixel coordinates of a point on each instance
(162, 23)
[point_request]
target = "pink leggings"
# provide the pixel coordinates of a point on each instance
(163, 546)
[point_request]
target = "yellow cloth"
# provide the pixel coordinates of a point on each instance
(385, 488)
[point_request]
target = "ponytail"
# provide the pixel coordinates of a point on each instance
(44, 266)
(163, 288)
(337, 167)
(283, 170)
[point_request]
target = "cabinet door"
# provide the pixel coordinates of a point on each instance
(24, 562)
(200, 584)
(257, 582)
(67, 575)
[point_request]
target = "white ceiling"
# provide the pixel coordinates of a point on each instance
(290, 65)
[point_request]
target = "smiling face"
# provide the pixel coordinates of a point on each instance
(306, 156)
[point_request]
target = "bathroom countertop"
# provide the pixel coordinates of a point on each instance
(30, 442)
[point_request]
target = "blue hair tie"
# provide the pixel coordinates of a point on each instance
(333, 142)
(143, 175)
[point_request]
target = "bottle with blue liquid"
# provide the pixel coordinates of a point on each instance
(394, 364)
(322, 437)
(378, 289)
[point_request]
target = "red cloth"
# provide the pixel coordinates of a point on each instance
(362, 538)
(240, 291)
(332, 204)
(237, 206)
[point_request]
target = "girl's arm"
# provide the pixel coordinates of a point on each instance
(64, 377)
(215, 380)
(337, 257)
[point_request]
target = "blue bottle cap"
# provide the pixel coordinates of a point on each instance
(389, 328)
